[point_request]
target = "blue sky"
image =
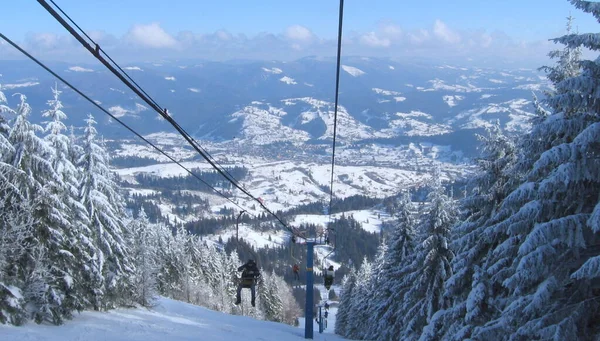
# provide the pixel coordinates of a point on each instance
(294, 28)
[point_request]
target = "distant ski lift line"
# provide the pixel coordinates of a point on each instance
(95, 51)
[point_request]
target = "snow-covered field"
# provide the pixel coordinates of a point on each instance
(170, 320)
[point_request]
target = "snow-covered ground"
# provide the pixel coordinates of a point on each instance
(169, 320)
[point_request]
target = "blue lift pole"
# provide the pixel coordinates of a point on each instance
(308, 309)
(320, 320)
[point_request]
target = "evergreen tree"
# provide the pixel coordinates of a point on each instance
(549, 218)
(144, 255)
(16, 225)
(399, 255)
(46, 280)
(98, 193)
(430, 268)
(359, 304)
(271, 302)
(343, 316)
(469, 286)
(76, 249)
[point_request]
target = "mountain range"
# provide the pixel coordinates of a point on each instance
(270, 102)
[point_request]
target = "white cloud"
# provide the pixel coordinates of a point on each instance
(299, 33)
(151, 35)
(371, 39)
(442, 31)
(419, 36)
(170, 78)
(223, 35)
(46, 40)
(391, 30)
(387, 39)
(486, 40)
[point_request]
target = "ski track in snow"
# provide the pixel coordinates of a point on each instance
(168, 320)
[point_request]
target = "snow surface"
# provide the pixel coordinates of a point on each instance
(370, 220)
(257, 239)
(438, 84)
(452, 100)
(386, 92)
(273, 70)
(119, 111)
(287, 80)
(18, 85)
(80, 69)
(518, 110)
(168, 320)
(353, 71)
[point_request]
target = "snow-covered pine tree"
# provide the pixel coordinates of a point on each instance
(469, 285)
(270, 301)
(290, 310)
(70, 266)
(567, 61)
(169, 250)
(37, 182)
(143, 252)
(98, 193)
(395, 267)
(358, 317)
(343, 317)
(15, 228)
(549, 218)
(375, 299)
(431, 266)
(16, 225)
(228, 287)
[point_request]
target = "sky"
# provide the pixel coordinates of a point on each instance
(512, 30)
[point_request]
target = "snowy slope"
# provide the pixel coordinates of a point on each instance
(169, 320)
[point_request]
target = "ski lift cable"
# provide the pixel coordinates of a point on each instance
(134, 87)
(335, 113)
(8, 40)
(95, 51)
(99, 49)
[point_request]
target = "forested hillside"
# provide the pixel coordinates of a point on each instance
(519, 257)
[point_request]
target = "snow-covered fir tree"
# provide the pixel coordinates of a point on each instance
(143, 252)
(77, 248)
(343, 317)
(47, 280)
(549, 218)
(359, 302)
(469, 286)
(393, 287)
(431, 265)
(270, 298)
(99, 194)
